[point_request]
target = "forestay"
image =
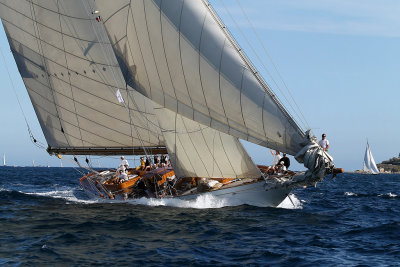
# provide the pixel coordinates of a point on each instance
(72, 76)
(185, 60)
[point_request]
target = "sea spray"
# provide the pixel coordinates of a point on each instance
(206, 201)
(291, 202)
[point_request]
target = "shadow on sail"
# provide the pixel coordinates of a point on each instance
(156, 78)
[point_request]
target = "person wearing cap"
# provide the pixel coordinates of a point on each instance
(324, 143)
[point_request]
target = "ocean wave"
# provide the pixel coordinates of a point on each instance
(291, 202)
(206, 201)
(66, 194)
(387, 195)
(390, 195)
(350, 194)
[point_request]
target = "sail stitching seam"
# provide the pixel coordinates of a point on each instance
(200, 75)
(180, 56)
(40, 48)
(61, 107)
(66, 96)
(44, 25)
(198, 154)
(69, 78)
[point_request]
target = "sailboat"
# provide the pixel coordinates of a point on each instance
(152, 77)
(4, 160)
(369, 162)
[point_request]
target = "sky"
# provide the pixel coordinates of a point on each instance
(339, 61)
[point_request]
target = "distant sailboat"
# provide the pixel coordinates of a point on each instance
(33, 163)
(4, 160)
(369, 162)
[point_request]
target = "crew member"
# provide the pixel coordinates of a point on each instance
(124, 163)
(324, 143)
(277, 157)
(286, 161)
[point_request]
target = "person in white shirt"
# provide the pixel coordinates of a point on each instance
(281, 168)
(324, 143)
(122, 176)
(277, 157)
(124, 163)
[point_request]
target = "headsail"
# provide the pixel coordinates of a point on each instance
(185, 60)
(200, 151)
(369, 162)
(94, 70)
(72, 75)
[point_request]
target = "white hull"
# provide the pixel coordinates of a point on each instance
(250, 194)
(240, 192)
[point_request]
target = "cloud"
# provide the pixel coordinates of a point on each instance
(350, 17)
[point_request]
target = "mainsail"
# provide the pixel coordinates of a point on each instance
(369, 162)
(72, 76)
(147, 77)
(186, 61)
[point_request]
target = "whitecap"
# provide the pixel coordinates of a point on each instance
(291, 202)
(66, 194)
(350, 194)
(206, 201)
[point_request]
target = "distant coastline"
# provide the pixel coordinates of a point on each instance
(390, 166)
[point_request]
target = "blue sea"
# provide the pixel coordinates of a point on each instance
(46, 219)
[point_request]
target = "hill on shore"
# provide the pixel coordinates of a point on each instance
(391, 165)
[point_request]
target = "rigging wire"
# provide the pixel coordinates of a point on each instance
(261, 61)
(32, 138)
(103, 40)
(106, 52)
(102, 37)
(107, 57)
(272, 62)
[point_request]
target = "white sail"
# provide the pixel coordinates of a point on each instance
(369, 162)
(95, 69)
(72, 76)
(4, 160)
(200, 151)
(185, 60)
